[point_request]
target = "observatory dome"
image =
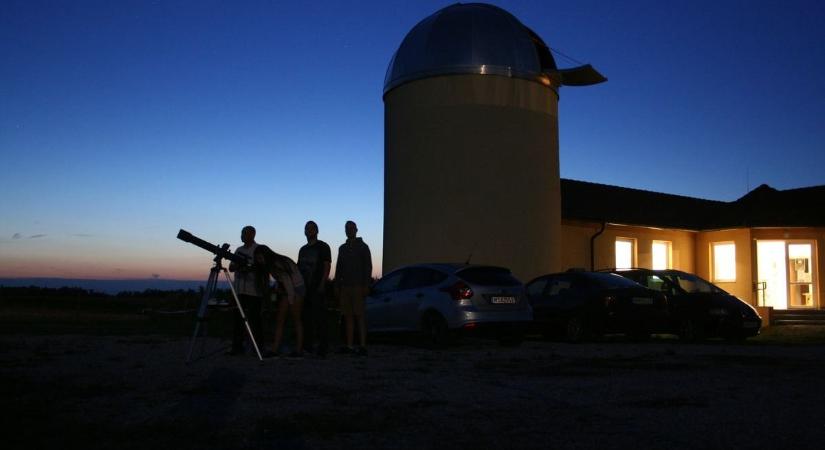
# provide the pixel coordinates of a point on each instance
(470, 38)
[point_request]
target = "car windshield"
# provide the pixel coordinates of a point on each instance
(488, 276)
(611, 281)
(691, 283)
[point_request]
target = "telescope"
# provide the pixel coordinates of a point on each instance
(220, 252)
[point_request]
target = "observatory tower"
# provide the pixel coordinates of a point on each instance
(471, 152)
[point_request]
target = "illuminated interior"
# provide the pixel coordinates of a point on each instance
(724, 261)
(800, 275)
(661, 255)
(624, 253)
(785, 271)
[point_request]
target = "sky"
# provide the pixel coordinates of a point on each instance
(122, 122)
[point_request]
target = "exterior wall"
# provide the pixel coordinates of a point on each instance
(743, 287)
(471, 166)
(576, 245)
(789, 234)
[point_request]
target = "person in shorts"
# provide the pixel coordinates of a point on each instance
(353, 277)
(290, 292)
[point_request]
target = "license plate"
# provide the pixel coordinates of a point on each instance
(642, 301)
(503, 300)
(750, 324)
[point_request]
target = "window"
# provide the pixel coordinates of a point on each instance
(625, 253)
(389, 283)
(724, 261)
(421, 277)
(488, 276)
(536, 288)
(661, 255)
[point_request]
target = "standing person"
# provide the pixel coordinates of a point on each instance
(353, 276)
(290, 292)
(314, 260)
(249, 290)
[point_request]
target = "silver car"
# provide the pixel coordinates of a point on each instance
(444, 300)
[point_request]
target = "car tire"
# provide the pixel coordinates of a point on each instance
(575, 330)
(689, 331)
(434, 330)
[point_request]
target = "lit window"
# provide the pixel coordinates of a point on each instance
(661, 255)
(624, 253)
(724, 261)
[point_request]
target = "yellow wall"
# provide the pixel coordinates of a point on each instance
(576, 236)
(471, 167)
(743, 286)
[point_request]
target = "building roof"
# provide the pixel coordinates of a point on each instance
(469, 38)
(762, 207)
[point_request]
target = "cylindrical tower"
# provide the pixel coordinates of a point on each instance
(471, 168)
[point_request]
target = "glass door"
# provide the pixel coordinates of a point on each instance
(771, 269)
(800, 275)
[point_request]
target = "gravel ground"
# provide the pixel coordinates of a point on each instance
(136, 392)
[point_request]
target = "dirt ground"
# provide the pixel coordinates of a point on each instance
(136, 392)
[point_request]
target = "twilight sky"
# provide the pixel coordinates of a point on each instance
(121, 122)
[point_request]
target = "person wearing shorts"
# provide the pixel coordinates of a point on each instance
(290, 293)
(353, 277)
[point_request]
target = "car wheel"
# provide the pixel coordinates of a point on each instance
(575, 331)
(434, 329)
(689, 331)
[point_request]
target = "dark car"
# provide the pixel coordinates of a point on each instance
(580, 305)
(698, 308)
(444, 300)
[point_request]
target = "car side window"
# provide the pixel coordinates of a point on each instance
(536, 288)
(559, 287)
(389, 283)
(658, 284)
(654, 282)
(420, 277)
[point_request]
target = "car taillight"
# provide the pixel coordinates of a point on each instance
(459, 291)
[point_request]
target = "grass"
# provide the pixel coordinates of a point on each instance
(138, 315)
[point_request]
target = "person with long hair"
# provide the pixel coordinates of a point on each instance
(290, 294)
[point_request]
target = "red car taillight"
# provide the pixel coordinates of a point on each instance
(459, 291)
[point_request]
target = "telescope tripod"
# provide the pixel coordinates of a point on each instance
(211, 286)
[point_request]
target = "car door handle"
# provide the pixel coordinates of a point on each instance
(419, 295)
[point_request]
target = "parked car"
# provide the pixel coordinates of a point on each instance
(581, 305)
(698, 308)
(444, 300)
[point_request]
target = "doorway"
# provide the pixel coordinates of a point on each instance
(785, 274)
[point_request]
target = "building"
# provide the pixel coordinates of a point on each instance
(763, 247)
(471, 172)
(471, 142)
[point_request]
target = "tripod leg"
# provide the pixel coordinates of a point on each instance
(201, 319)
(243, 316)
